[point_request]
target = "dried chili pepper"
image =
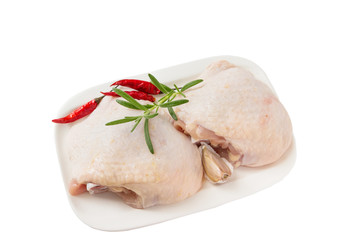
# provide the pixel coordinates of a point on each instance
(112, 94)
(135, 94)
(80, 112)
(139, 85)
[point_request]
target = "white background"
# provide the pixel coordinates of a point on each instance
(51, 50)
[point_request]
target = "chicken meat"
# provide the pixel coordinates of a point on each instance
(238, 115)
(111, 158)
(231, 120)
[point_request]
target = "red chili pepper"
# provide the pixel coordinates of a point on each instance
(80, 112)
(139, 85)
(112, 94)
(135, 94)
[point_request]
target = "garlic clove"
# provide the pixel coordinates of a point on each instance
(217, 169)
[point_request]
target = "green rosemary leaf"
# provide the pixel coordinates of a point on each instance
(129, 98)
(168, 89)
(165, 97)
(147, 137)
(179, 91)
(150, 116)
(172, 97)
(157, 84)
(172, 113)
(127, 104)
(124, 120)
(191, 84)
(136, 124)
(148, 106)
(174, 103)
(132, 117)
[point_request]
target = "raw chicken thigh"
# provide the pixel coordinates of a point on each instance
(239, 116)
(112, 158)
(235, 120)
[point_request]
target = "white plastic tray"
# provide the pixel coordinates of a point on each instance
(107, 212)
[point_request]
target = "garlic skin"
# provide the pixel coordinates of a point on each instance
(217, 169)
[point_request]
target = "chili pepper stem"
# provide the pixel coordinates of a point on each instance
(98, 99)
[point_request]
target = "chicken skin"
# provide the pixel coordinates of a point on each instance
(229, 115)
(238, 115)
(114, 159)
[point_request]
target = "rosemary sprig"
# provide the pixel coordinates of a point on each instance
(148, 138)
(151, 110)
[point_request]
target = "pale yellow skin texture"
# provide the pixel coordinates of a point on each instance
(238, 110)
(230, 108)
(112, 156)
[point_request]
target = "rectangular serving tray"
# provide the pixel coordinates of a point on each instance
(107, 212)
